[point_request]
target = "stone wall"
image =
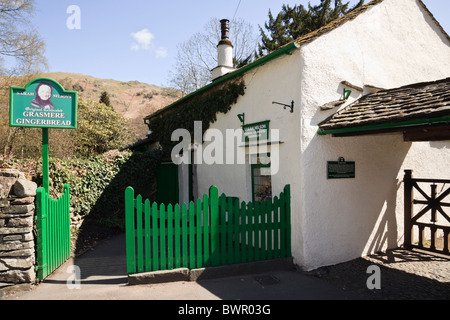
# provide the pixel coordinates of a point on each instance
(17, 245)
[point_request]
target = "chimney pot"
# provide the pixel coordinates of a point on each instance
(225, 26)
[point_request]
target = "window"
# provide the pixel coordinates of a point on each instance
(261, 177)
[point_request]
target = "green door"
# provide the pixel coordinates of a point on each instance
(167, 184)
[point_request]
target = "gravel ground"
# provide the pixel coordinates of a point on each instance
(404, 275)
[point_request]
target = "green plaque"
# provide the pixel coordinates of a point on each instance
(256, 131)
(43, 103)
(341, 169)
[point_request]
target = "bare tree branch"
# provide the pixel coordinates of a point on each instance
(198, 55)
(22, 53)
(18, 39)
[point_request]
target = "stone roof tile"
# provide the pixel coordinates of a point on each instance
(413, 102)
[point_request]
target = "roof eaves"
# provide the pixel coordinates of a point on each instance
(434, 20)
(336, 23)
(352, 15)
(440, 116)
(232, 75)
(383, 126)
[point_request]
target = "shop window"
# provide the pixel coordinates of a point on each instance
(261, 177)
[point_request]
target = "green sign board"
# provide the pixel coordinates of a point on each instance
(341, 169)
(43, 103)
(256, 131)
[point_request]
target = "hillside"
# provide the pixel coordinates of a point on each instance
(134, 100)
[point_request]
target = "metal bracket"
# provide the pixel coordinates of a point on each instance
(347, 94)
(291, 106)
(242, 118)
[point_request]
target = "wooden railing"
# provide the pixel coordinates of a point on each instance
(435, 224)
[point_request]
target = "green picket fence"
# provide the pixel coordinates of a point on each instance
(53, 231)
(212, 231)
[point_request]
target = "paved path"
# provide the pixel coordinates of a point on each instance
(103, 277)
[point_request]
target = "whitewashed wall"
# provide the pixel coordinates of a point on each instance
(394, 43)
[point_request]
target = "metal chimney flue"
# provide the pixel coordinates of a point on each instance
(225, 25)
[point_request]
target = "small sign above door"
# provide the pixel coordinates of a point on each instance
(256, 131)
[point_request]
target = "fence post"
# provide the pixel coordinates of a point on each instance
(408, 208)
(177, 218)
(139, 234)
(162, 236)
(214, 205)
(147, 235)
(206, 232)
(41, 225)
(287, 191)
(170, 246)
(155, 231)
(66, 205)
(191, 235)
(198, 212)
(130, 230)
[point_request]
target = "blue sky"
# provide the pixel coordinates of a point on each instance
(137, 39)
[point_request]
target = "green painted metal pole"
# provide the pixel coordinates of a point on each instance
(45, 160)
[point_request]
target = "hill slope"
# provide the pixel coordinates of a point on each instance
(134, 100)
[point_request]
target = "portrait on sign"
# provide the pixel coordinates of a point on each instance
(43, 98)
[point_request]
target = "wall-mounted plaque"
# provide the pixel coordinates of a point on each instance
(341, 169)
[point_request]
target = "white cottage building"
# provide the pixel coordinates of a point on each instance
(305, 95)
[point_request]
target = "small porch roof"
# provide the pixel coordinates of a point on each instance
(420, 111)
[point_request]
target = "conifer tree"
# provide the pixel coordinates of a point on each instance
(104, 98)
(294, 22)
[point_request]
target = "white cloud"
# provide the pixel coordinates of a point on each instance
(161, 52)
(143, 40)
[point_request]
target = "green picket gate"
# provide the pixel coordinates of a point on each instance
(212, 231)
(53, 231)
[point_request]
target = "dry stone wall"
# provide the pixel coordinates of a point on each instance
(17, 245)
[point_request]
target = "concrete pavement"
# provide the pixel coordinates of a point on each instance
(102, 276)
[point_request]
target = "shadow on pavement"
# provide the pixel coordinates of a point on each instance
(404, 275)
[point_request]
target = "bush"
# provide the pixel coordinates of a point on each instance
(97, 183)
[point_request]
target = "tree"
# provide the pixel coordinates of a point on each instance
(104, 98)
(198, 55)
(294, 22)
(22, 53)
(18, 39)
(100, 129)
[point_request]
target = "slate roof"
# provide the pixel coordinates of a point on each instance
(419, 103)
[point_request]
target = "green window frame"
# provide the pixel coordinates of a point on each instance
(261, 177)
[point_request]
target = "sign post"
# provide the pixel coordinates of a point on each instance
(43, 103)
(45, 161)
